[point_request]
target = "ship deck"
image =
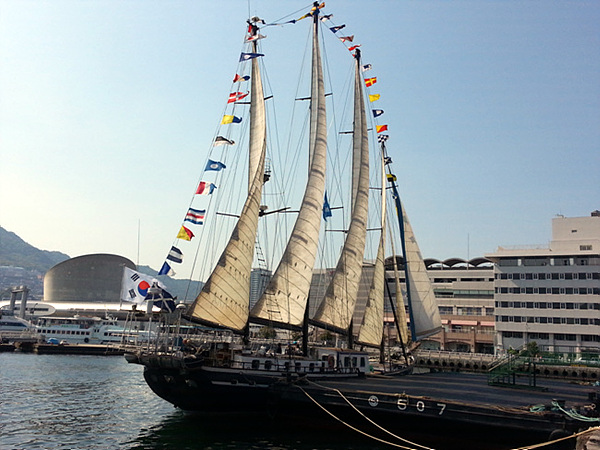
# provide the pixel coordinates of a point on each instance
(473, 389)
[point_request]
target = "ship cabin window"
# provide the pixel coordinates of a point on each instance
(287, 366)
(268, 365)
(311, 367)
(347, 361)
(255, 364)
(298, 366)
(362, 361)
(354, 361)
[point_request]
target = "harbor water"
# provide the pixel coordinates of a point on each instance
(102, 402)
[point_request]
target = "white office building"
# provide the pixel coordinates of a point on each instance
(551, 295)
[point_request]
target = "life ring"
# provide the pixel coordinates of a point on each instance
(86, 340)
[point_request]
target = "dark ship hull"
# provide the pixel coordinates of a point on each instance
(446, 406)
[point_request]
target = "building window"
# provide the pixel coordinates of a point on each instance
(585, 248)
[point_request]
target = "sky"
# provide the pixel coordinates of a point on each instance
(108, 109)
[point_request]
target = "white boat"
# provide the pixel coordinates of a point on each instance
(14, 324)
(80, 330)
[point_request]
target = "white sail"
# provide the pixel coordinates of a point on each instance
(224, 299)
(337, 308)
(424, 312)
(371, 329)
(285, 298)
(400, 305)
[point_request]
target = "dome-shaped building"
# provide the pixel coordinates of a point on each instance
(89, 278)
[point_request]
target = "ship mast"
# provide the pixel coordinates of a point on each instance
(285, 299)
(224, 299)
(337, 308)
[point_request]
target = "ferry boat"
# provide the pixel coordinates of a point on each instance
(80, 330)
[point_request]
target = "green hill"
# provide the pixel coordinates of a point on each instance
(14, 251)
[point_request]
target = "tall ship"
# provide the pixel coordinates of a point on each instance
(321, 221)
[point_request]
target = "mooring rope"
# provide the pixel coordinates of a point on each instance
(544, 444)
(354, 428)
(530, 447)
(371, 421)
(575, 415)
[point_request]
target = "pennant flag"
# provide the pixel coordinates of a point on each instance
(256, 37)
(387, 160)
(381, 128)
(377, 112)
(175, 255)
(370, 81)
(196, 216)
(338, 28)
(205, 188)
(347, 38)
(367, 67)
(354, 47)
(374, 97)
(220, 140)
(248, 56)
(166, 270)
(326, 208)
(382, 138)
(185, 233)
(327, 17)
(235, 96)
(305, 16)
(135, 285)
(230, 119)
(214, 165)
(238, 79)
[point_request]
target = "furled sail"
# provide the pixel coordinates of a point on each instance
(401, 322)
(371, 328)
(337, 308)
(284, 300)
(424, 313)
(224, 299)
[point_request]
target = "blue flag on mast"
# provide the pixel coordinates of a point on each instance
(326, 208)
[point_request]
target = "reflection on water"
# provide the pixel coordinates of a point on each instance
(99, 403)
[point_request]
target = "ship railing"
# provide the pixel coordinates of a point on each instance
(291, 367)
(16, 336)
